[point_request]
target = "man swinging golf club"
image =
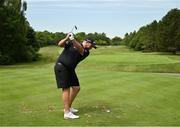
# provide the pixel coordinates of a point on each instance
(66, 77)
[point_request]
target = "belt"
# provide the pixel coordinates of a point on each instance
(59, 63)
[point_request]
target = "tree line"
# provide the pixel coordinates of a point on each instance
(46, 38)
(162, 36)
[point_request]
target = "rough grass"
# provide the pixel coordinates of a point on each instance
(115, 90)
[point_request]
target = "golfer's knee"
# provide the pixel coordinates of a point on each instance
(65, 89)
(76, 88)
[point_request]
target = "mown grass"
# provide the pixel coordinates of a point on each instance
(123, 59)
(118, 87)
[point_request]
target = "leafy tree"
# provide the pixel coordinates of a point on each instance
(32, 45)
(46, 38)
(99, 37)
(80, 36)
(14, 45)
(128, 38)
(58, 36)
(157, 36)
(170, 31)
(116, 41)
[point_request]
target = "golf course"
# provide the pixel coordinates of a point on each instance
(119, 86)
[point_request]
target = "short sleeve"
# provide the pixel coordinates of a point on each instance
(67, 44)
(86, 53)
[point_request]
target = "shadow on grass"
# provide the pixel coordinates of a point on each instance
(162, 53)
(93, 109)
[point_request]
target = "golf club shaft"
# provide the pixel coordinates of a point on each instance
(73, 28)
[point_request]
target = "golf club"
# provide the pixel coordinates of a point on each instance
(71, 32)
(74, 27)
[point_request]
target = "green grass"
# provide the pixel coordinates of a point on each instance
(125, 82)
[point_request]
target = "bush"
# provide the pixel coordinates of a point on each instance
(6, 60)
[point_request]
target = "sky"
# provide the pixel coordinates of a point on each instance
(113, 17)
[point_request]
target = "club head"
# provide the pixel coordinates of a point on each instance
(75, 27)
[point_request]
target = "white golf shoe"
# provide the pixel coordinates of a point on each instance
(73, 110)
(70, 115)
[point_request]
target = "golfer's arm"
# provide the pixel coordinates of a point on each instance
(78, 46)
(62, 42)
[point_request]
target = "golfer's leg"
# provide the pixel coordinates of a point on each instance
(73, 93)
(65, 97)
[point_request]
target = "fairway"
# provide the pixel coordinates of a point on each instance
(118, 87)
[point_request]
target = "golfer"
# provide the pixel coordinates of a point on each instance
(66, 77)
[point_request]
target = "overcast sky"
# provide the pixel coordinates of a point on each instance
(114, 17)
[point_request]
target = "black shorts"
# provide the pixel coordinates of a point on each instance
(65, 78)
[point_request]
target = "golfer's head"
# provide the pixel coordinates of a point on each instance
(89, 44)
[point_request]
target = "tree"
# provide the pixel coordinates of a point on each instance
(14, 45)
(80, 36)
(128, 38)
(170, 29)
(46, 38)
(116, 41)
(99, 38)
(32, 45)
(157, 36)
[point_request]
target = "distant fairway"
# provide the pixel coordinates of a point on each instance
(118, 87)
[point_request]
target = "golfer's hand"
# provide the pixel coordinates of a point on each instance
(68, 37)
(71, 36)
